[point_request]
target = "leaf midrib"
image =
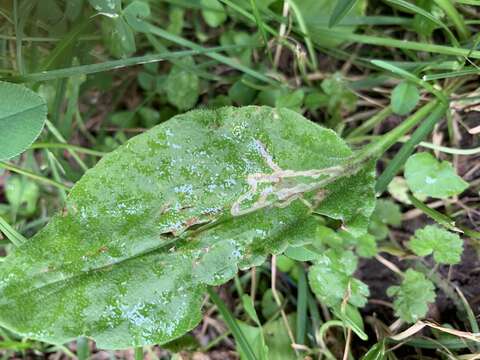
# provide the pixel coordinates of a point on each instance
(5, 118)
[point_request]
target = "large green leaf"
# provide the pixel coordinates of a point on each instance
(22, 116)
(145, 231)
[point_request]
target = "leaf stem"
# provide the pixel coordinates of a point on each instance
(32, 175)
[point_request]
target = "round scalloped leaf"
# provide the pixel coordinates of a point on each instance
(427, 176)
(146, 230)
(447, 247)
(22, 116)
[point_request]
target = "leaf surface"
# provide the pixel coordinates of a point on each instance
(22, 116)
(146, 230)
(412, 296)
(331, 279)
(446, 246)
(427, 176)
(405, 97)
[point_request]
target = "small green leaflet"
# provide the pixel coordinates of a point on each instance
(145, 231)
(331, 279)
(387, 213)
(405, 98)
(22, 194)
(213, 12)
(412, 296)
(447, 247)
(22, 116)
(182, 84)
(427, 176)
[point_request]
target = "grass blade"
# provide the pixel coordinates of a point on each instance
(13, 235)
(396, 43)
(340, 10)
(83, 352)
(418, 10)
(111, 65)
(305, 32)
(232, 325)
(261, 27)
(301, 306)
(155, 30)
(440, 218)
(33, 176)
(449, 8)
(411, 77)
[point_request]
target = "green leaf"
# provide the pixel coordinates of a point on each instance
(446, 246)
(340, 10)
(291, 100)
(387, 213)
(22, 194)
(412, 296)
(376, 352)
(367, 246)
(22, 116)
(182, 84)
(213, 12)
(109, 8)
(352, 318)
(277, 339)
(300, 253)
(284, 263)
(269, 305)
(405, 98)
(331, 279)
(249, 308)
(118, 36)
(427, 176)
(146, 231)
(135, 12)
(398, 188)
(254, 336)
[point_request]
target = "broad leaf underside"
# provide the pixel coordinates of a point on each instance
(145, 231)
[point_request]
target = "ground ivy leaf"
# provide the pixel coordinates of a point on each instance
(427, 176)
(182, 84)
(446, 246)
(405, 97)
(22, 116)
(412, 296)
(149, 227)
(331, 279)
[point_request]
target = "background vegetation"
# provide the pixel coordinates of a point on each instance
(111, 69)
